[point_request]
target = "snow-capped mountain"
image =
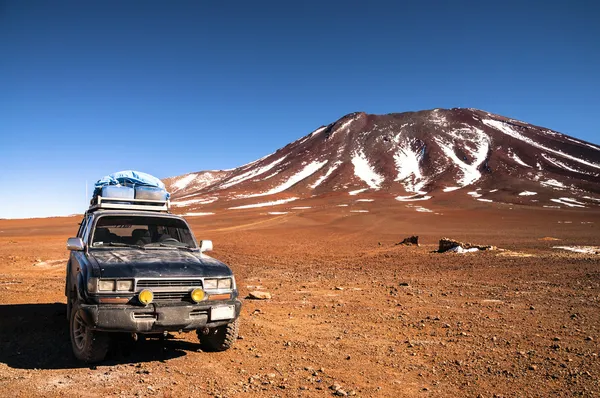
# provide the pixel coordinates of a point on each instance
(412, 156)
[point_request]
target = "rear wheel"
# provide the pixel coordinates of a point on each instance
(88, 345)
(220, 338)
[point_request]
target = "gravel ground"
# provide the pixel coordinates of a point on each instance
(351, 312)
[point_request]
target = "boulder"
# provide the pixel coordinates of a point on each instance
(259, 295)
(411, 240)
(447, 244)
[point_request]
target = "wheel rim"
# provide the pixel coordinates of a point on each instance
(80, 332)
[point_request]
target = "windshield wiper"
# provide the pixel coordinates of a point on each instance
(170, 246)
(119, 244)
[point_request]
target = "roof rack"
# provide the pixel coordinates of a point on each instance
(129, 204)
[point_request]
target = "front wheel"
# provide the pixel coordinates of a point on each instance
(88, 345)
(220, 338)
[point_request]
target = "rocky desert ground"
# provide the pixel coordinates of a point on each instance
(351, 312)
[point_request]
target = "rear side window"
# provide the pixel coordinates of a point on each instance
(86, 229)
(82, 226)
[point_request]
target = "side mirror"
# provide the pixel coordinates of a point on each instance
(75, 244)
(206, 246)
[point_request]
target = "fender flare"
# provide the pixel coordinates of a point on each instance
(68, 273)
(81, 285)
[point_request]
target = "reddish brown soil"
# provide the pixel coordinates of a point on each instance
(349, 307)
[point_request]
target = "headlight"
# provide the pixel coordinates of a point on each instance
(92, 285)
(224, 283)
(146, 297)
(106, 285)
(214, 284)
(197, 295)
(210, 284)
(125, 285)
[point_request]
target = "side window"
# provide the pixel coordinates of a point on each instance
(82, 226)
(86, 229)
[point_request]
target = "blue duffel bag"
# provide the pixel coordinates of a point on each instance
(142, 185)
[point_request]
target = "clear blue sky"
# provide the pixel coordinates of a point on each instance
(92, 87)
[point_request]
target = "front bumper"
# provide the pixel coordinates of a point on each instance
(153, 317)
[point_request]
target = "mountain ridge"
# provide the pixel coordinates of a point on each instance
(410, 156)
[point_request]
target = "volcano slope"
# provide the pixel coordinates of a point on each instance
(436, 156)
(351, 312)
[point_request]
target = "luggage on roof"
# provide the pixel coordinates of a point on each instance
(130, 178)
(131, 190)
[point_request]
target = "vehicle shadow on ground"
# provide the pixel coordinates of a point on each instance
(36, 336)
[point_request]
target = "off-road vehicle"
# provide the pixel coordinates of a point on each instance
(135, 267)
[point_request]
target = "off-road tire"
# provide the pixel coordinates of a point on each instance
(88, 345)
(220, 338)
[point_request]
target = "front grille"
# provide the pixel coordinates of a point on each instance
(171, 296)
(158, 283)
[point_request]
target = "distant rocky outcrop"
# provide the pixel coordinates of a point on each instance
(411, 240)
(447, 244)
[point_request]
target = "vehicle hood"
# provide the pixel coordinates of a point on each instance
(136, 263)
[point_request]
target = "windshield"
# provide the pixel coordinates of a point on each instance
(142, 232)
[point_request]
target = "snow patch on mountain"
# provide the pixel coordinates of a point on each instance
(200, 201)
(366, 172)
(344, 126)
(423, 210)
(571, 200)
(436, 117)
(333, 167)
(553, 183)
(307, 171)
(193, 182)
(183, 182)
(564, 201)
(309, 136)
(412, 198)
(508, 130)
(270, 176)
(409, 170)
(450, 189)
(517, 159)
(264, 204)
(356, 192)
(251, 173)
(317, 131)
(562, 165)
(479, 153)
(581, 142)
